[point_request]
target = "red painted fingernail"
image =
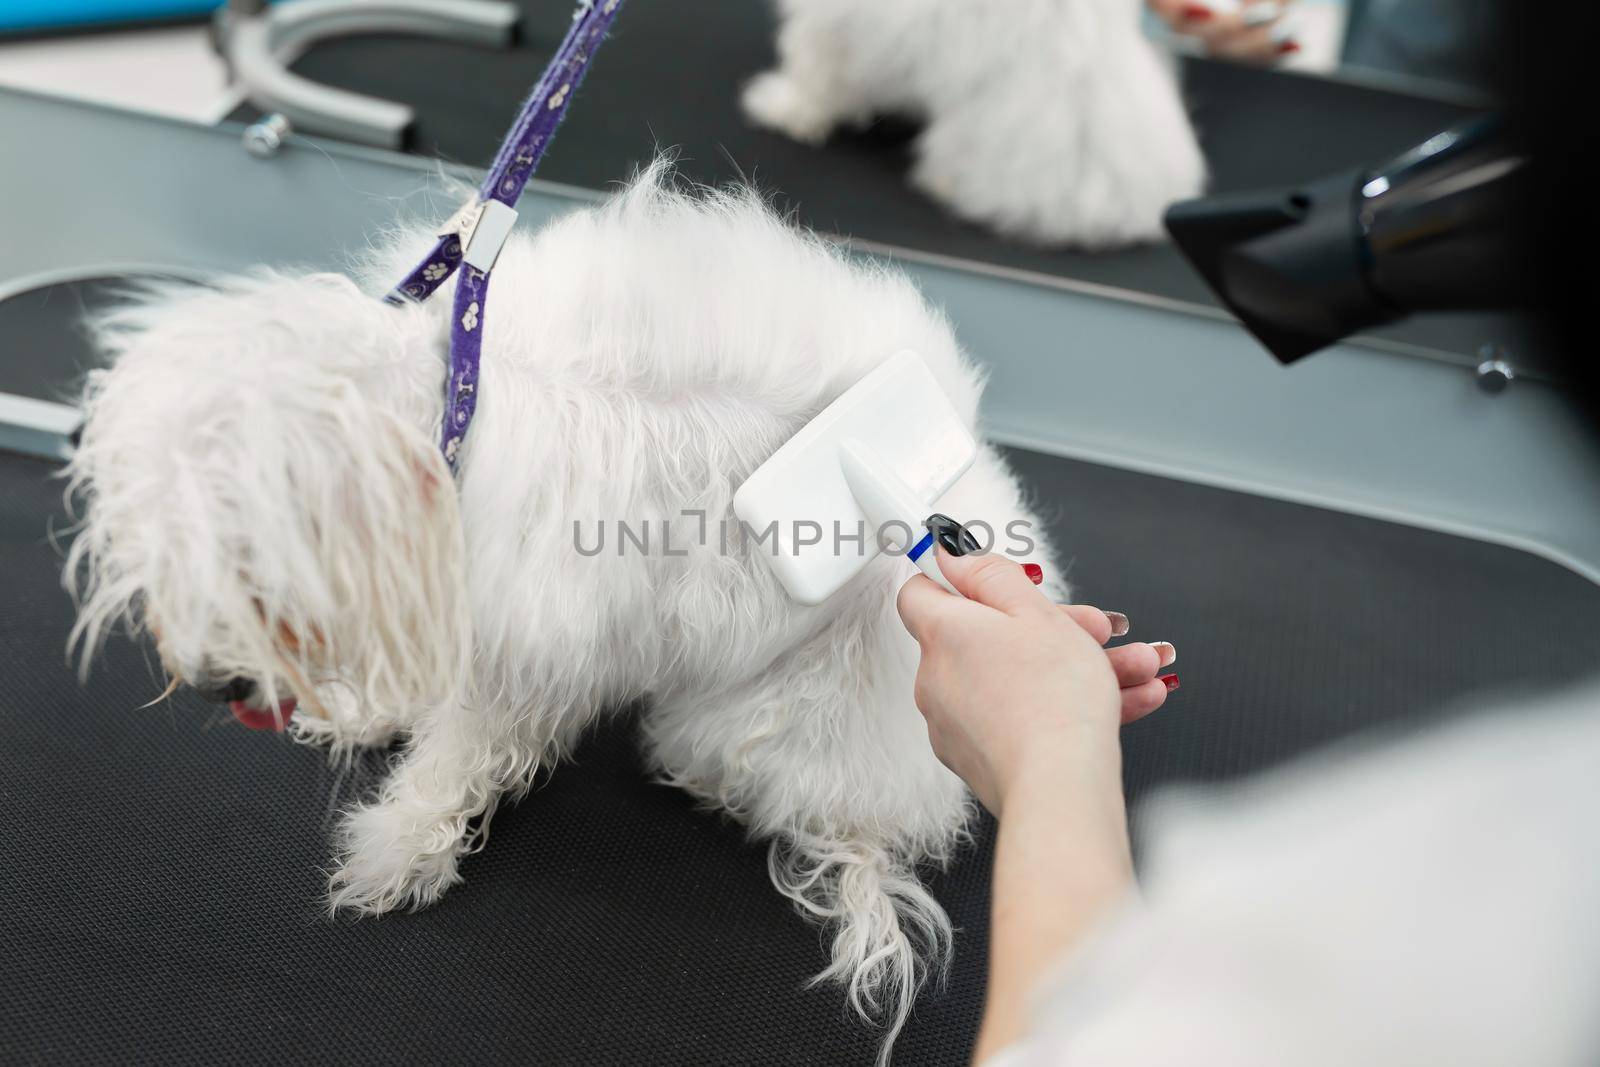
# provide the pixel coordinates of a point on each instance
(1034, 572)
(1288, 47)
(1170, 681)
(1195, 12)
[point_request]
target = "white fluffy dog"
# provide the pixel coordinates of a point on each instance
(261, 491)
(1054, 121)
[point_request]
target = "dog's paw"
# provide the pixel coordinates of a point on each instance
(340, 737)
(340, 724)
(776, 101)
(391, 859)
(937, 185)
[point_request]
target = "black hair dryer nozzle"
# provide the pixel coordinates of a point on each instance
(1303, 267)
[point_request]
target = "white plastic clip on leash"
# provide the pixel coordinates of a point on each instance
(482, 226)
(862, 478)
(470, 242)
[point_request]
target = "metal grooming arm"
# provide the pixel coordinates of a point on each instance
(258, 41)
(40, 428)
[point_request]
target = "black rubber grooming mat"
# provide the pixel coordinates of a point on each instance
(670, 77)
(159, 867)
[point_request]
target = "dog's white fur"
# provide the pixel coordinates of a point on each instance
(261, 489)
(1054, 121)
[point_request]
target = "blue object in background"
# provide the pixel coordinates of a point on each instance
(48, 14)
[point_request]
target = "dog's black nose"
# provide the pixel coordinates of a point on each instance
(234, 688)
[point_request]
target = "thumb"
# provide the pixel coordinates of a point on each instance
(994, 581)
(921, 603)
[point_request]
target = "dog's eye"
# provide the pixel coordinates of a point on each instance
(288, 638)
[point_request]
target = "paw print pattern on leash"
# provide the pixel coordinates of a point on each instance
(469, 318)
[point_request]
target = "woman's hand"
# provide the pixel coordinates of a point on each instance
(1013, 685)
(1024, 704)
(1249, 32)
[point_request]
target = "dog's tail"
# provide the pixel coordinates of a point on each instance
(889, 932)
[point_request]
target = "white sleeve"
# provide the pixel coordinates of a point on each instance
(1013, 1056)
(1431, 902)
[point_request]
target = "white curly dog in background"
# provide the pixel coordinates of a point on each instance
(1053, 121)
(261, 491)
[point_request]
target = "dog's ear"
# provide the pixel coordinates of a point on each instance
(390, 552)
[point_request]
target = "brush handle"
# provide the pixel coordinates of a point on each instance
(886, 500)
(949, 533)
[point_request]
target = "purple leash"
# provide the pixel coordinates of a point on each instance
(471, 240)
